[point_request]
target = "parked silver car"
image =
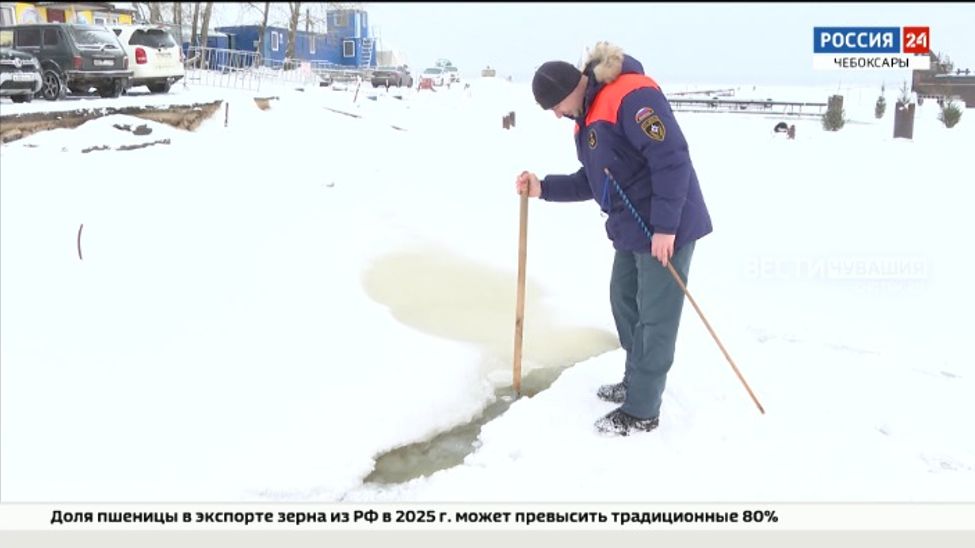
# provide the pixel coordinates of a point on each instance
(392, 76)
(20, 75)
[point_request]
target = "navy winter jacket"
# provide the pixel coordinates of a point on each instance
(627, 126)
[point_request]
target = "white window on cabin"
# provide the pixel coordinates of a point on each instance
(348, 48)
(275, 41)
(6, 16)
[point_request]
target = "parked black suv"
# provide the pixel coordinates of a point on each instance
(76, 57)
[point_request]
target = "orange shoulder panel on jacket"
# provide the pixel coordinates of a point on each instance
(607, 102)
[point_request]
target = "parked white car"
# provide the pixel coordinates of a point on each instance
(453, 74)
(435, 74)
(155, 58)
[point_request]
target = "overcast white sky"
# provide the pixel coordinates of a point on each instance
(730, 43)
(735, 43)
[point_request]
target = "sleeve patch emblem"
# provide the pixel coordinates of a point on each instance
(592, 139)
(654, 128)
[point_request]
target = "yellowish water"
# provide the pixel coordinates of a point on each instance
(454, 298)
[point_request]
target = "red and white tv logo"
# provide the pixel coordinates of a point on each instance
(871, 48)
(916, 40)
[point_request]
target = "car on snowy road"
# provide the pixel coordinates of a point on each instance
(435, 75)
(391, 76)
(453, 74)
(154, 56)
(75, 57)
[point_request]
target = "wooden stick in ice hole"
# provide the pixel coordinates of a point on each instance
(520, 304)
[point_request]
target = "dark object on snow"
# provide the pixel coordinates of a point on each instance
(792, 131)
(781, 127)
(904, 120)
(139, 130)
(94, 148)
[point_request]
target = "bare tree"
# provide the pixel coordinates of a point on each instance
(205, 29)
(141, 10)
(148, 11)
(941, 63)
(155, 14)
(260, 36)
(293, 28)
(196, 19)
(205, 23)
(178, 22)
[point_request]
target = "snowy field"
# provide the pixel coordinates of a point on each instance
(262, 309)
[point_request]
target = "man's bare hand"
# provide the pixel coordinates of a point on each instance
(662, 247)
(529, 180)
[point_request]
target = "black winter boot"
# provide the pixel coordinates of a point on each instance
(618, 423)
(615, 393)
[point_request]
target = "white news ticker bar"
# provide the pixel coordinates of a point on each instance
(871, 61)
(644, 517)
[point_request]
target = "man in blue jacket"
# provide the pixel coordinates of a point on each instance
(625, 127)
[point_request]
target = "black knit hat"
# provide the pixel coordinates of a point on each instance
(553, 82)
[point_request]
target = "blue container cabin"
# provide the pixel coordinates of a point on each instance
(348, 42)
(309, 46)
(349, 38)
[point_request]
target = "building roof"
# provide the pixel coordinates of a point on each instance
(100, 6)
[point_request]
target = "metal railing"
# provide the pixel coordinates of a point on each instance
(792, 108)
(225, 68)
(248, 70)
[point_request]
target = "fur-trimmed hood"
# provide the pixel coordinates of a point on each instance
(605, 61)
(604, 64)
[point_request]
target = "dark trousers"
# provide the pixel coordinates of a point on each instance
(647, 305)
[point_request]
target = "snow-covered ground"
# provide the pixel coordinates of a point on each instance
(262, 309)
